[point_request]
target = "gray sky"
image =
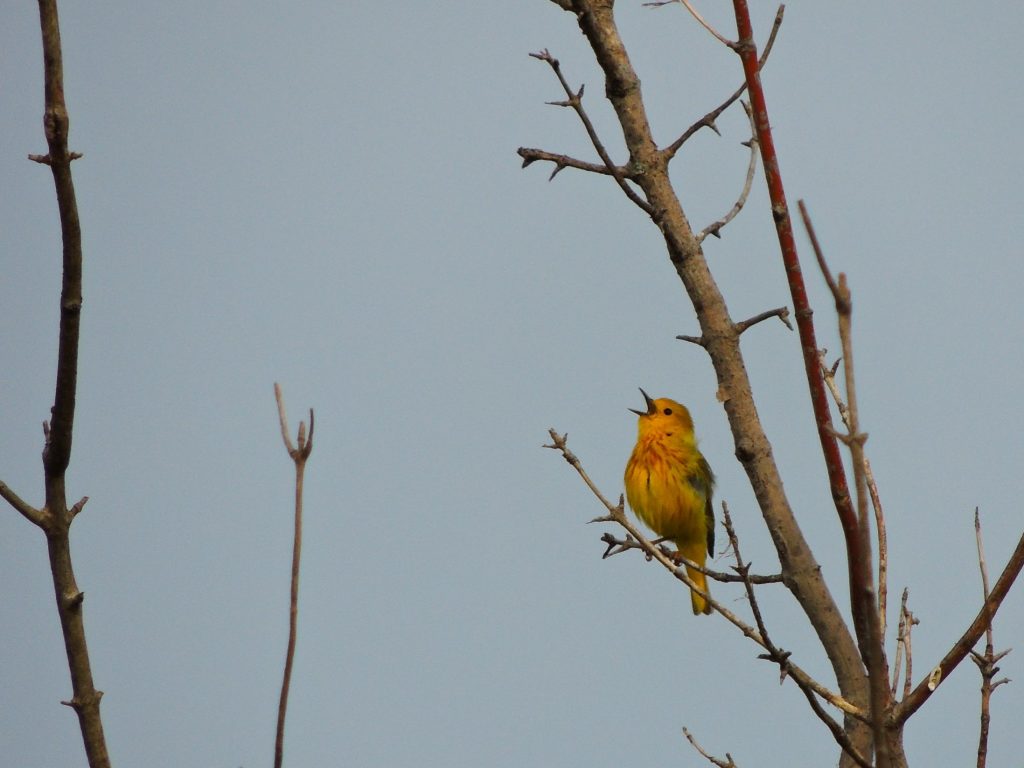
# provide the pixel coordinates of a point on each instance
(327, 195)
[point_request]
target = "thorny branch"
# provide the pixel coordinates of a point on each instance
(715, 227)
(616, 514)
(617, 546)
(575, 101)
(780, 312)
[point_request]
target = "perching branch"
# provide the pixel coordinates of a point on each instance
(617, 546)
(617, 514)
(298, 454)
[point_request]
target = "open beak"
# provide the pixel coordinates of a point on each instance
(650, 405)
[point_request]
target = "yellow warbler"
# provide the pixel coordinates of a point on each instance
(669, 485)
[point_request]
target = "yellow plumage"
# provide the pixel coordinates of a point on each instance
(669, 485)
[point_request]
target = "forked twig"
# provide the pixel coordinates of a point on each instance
(829, 374)
(574, 100)
(986, 662)
(298, 453)
(904, 647)
(727, 763)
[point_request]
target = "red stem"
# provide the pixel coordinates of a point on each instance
(802, 310)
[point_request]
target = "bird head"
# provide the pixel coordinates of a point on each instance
(664, 417)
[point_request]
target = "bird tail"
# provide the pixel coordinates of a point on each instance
(700, 605)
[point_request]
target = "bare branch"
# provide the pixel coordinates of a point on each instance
(708, 121)
(829, 374)
(780, 312)
(55, 517)
(78, 507)
(987, 662)
(562, 162)
(699, 18)
(727, 763)
(575, 101)
(715, 228)
(700, 341)
(299, 454)
(29, 512)
(970, 637)
(617, 546)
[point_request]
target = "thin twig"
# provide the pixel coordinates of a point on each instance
(55, 517)
(708, 121)
(700, 20)
(715, 227)
(298, 453)
(987, 662)
(617, 546)
(29, 512)
(903, 647)
(561, 162)
(727, 763)
(780, 312)
(829, 374)
(575, 101)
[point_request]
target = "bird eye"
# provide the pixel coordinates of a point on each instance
(667, 411)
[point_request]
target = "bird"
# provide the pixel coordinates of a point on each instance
(669, 485)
